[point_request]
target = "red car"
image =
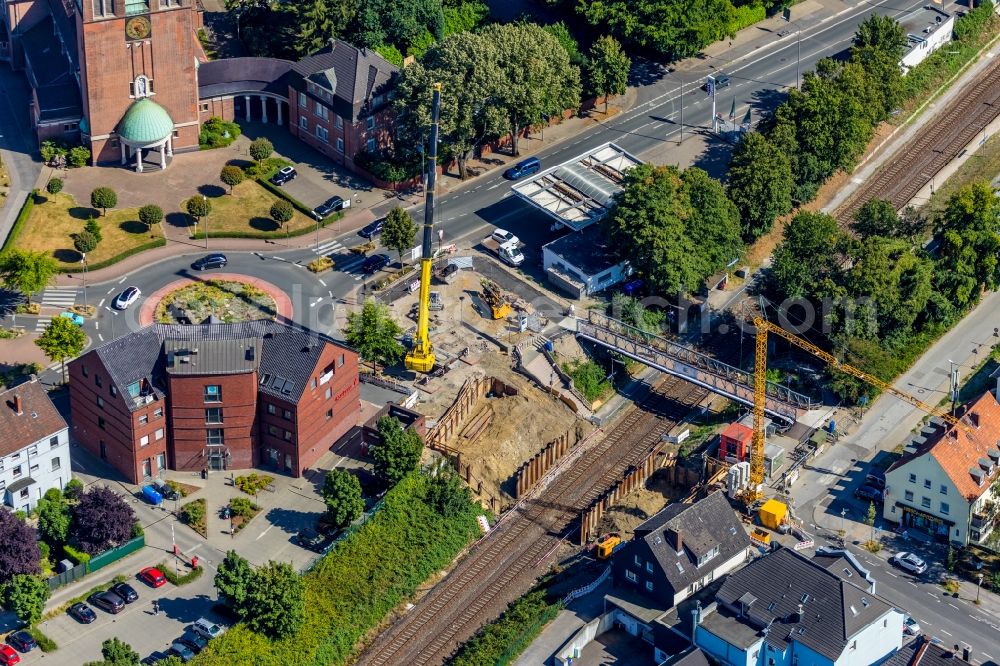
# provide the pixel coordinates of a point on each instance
(152, 576)
(8, 656)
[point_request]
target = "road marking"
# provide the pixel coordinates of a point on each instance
(935, 596)
(330, 292)
(110, 290)
(101, 304)
(122, 280)
(100, 337)
(912, 583)
(954, 606)
(945, 631)
(892, 574)
(40, 325)
(316, 302)
(493, 187)
(264, 532)
(988, 656)
(97, 325)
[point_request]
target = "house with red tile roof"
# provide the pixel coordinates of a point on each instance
(944, 483)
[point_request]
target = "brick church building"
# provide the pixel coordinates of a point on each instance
(130, 80)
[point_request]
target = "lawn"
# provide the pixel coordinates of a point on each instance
(246, 212)
(226, 299)
(55, 218)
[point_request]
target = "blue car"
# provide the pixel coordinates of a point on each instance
(523, 168)
(73, 317)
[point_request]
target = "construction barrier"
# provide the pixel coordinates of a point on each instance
(537, 466)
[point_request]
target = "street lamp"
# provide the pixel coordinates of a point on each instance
(205, 201)
(979, 585)
(843, 531)
(83, 260)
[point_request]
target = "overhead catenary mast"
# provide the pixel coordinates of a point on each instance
(421, 357)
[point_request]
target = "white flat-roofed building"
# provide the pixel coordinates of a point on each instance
(927, 29)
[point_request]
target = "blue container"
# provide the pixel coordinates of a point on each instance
(833, 426)
(150, 495)
(548, 346)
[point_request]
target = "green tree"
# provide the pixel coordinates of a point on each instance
(275, 603)
(397, 453)
(53, 517)
(282, 211)
(27, 271)
(78, 156)
(446, 492)
(261, 149)
(84, 242)
(93, 227)
(232, 176)
(117, 652)
(759, 183)
(373, 332)
(879, 45)
(968, 232)
(62, 339)
(317, 26)
(198, 207)
(466, 65)
(808, 261)
(342, 494)
(232, 580)
(399, 231)
(891, 280)
(54, 186)
(26, 596)
(607, 68)
(73, 489)
(870, 520)
(150, 214)
(713, 223)
(403, 23)
(103, 198)
(877, 217)
(538, 79)
(561, 32)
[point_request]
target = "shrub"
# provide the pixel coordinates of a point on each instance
(45, 644)
(320, 264)
(73, 489)
(179, 579)
(386, 168)
(588, 378)
(150, 214)
(78, 156)
(253, 483)
(75, 556)
(21, 220)
(513, 631)
(217, 133)
(244, 508)
(54, 186)
(193, 514)
(177, 488)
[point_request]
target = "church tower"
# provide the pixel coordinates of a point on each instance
(139, 79)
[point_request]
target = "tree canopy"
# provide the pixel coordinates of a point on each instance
(18, 549)
(103, 198)
(26, 595)
(101, 520)
(61, 339)
(53, 517)
(397, 453)
(342, 494)
(275, 600)
(759, 182)
(399, 231)
(607, 68)
(372, 331)
(232, 580)
(27, 271)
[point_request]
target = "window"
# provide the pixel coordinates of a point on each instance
(909, 495)
(312, 384)
(213, 415)
(340, 145)
(204, 106)
(144, 441)
(271, 409)
(329, 393)
(143, 419)
(100, 422)
(913, 478)
(161, 461)
(16, 456)
(213, 393)
(320, 111)
(925, 502)
(629, 575)
(158, 435)
(649, 585)
(370, 145)
(17, 472)
(370, 122)
(304, 123)
(272, 430)
(33, 450)
(708, 556)
(303, 102)
(97, 380)
(24, 494)
(114, 391)
(340, 361)
(943, 490)
(329, 414)
(338, 122)
(53, 442)
(638, 561)
(147, 467)
(649, 567)
(56, 464)
(288, 436)
(927, 483)
(100, 402)
(322, 134)
(177, 133)
(86, 373)
(214, 437)
(71, 127)
(158, 413)
(286, 414)
(945, 508)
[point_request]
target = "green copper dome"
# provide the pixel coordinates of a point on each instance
(144, 123)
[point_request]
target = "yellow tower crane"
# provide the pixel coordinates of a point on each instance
(752, 493)
(421, 357)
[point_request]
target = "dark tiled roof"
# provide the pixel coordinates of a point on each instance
(695, 657)
(284, 351)
(587, 250)
(51, 71)
(38, 419)
(211, 357)
(703, 525)
(774, 586)
(356, 76)
(234, 75)
(921, 652)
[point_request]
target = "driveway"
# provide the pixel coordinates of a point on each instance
(17, 144)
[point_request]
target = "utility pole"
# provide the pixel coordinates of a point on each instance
(84, 261)
(798, 56)
(954, 386)
(715, 121)
(682, 114)
(205, 200)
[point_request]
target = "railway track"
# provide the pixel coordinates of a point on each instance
(916, 163)
(504, 564)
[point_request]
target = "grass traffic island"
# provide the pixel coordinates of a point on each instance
(56, 217)
(177, 579)
(193, 515)
(228, 300)
(246, 213)
(243, 511)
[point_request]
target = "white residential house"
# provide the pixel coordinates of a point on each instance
(34, 446)
(943, 483)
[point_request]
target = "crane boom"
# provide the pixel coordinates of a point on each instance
(421, 356)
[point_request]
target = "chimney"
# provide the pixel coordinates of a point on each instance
(974, 417)
(799, 614)
(18, 406)
(695, 621)
(674, 539)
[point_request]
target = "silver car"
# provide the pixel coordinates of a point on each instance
(909, 562)
(126, 298)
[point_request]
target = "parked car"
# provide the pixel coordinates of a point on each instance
(375, 263)
(193, 640)
(151, 495)
(876, 479)
(721, 81)
(328, 207)
(869, 494)
(22, 641)
(82, 613)
(126, 592)
(210, 261)
(909, 562)
(314, 541)
(911, 627)
(283, 175)
(7, 655)
(73, 317)
(181, 651)
(523, 168)
(165, 489)
(372, 229)
(153, 577)
(126, 298)
(109, 602)
(205, 627)
(504, 237)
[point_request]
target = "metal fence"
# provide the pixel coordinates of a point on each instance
(96, 562)
(67, 577)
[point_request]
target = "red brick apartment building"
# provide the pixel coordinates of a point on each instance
(213, 397)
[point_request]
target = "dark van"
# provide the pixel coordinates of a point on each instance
(523, 168)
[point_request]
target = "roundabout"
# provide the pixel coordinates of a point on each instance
(225, 297)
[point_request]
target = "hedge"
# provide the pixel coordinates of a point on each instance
(19, 223)
(103, 587)
(279, 192)
(501, 641)
(45, 644)
(158, 242)
(179, 579)
(266, 235)
(368, 574)
(75, 556)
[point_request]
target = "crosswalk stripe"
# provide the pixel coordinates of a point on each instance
(41, 324)
(328, 247)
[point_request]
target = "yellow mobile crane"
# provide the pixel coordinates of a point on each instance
(752, 493)
(421, 357)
